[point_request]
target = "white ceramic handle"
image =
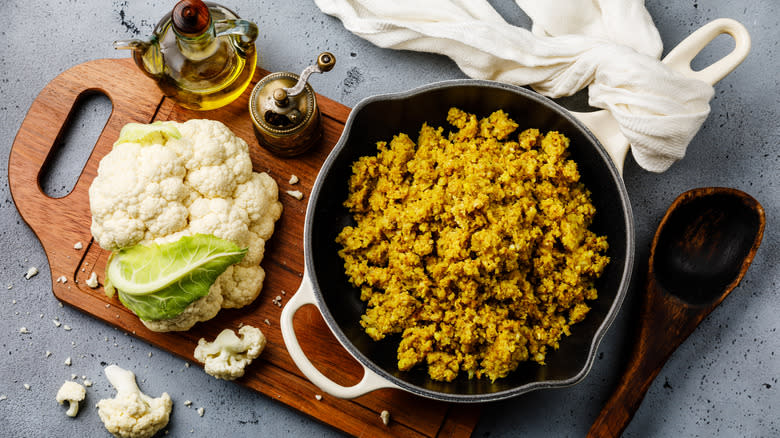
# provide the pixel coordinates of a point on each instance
(606, 129)
(681, 56)
(371, 381)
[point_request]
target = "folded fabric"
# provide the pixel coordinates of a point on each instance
(610, 46)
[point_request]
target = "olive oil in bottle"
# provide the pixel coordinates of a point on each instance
(202, 56)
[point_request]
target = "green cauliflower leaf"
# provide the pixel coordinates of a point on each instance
(159, 281)
(154, 133)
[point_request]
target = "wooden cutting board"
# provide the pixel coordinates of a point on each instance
(60, 223)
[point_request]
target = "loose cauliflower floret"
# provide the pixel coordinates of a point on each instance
(164, 187)
(72, 393)
(227, 357)
(132, 414)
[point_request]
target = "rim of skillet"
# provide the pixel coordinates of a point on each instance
(625, 279)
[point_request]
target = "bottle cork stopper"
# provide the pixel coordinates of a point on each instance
(190, 17)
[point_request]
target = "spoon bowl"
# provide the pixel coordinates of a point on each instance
(701, 251)
(704, 244)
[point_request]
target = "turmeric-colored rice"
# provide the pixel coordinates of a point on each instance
(474, 246)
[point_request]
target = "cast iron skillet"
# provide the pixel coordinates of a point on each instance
(378, 119)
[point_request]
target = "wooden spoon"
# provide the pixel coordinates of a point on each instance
(701, 250)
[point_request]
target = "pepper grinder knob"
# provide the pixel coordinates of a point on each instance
(325, 62)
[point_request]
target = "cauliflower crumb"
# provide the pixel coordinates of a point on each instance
(385, 416)
(87, 383)
(201, 411)
(187, 403)
(24, 331)
(297, 194)
(31, 272)
(66, 327)
(27, 386)
(73, 393)
(294, 179)
(69, 362)
(435, 263)
(78, 246)
(227, 357)
(132, 414)
(48, 353)
(62, 279)
(56, 323)
(92, 281)
(3, 397)
(318, 397)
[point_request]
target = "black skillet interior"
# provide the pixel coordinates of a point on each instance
(379, 119)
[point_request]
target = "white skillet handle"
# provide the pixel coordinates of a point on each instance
(371, 381)
(604, 126)
(681, 56)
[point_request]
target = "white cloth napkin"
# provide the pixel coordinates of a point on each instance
(610, 46)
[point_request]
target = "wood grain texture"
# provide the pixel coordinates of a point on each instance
(59, 223)
(705, 232)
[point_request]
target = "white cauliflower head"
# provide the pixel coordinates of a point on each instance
(194, 178)
(72, 393)
(132, 414)
(227, 357)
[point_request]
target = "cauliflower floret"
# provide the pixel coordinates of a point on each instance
(137, 188)
(227, 357)
(220, 160)
(255, 250)
(167, 187)
(73, 393)
(220, 217)
(132, 414)
(241, 285)
(257, 196)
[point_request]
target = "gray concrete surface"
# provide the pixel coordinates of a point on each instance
(722, 382)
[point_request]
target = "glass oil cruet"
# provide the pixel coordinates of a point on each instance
(202, 55)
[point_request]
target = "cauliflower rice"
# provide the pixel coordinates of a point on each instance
(474, 247)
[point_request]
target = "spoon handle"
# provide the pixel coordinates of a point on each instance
(665, 322)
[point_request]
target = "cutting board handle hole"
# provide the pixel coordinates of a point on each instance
(74, 144)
